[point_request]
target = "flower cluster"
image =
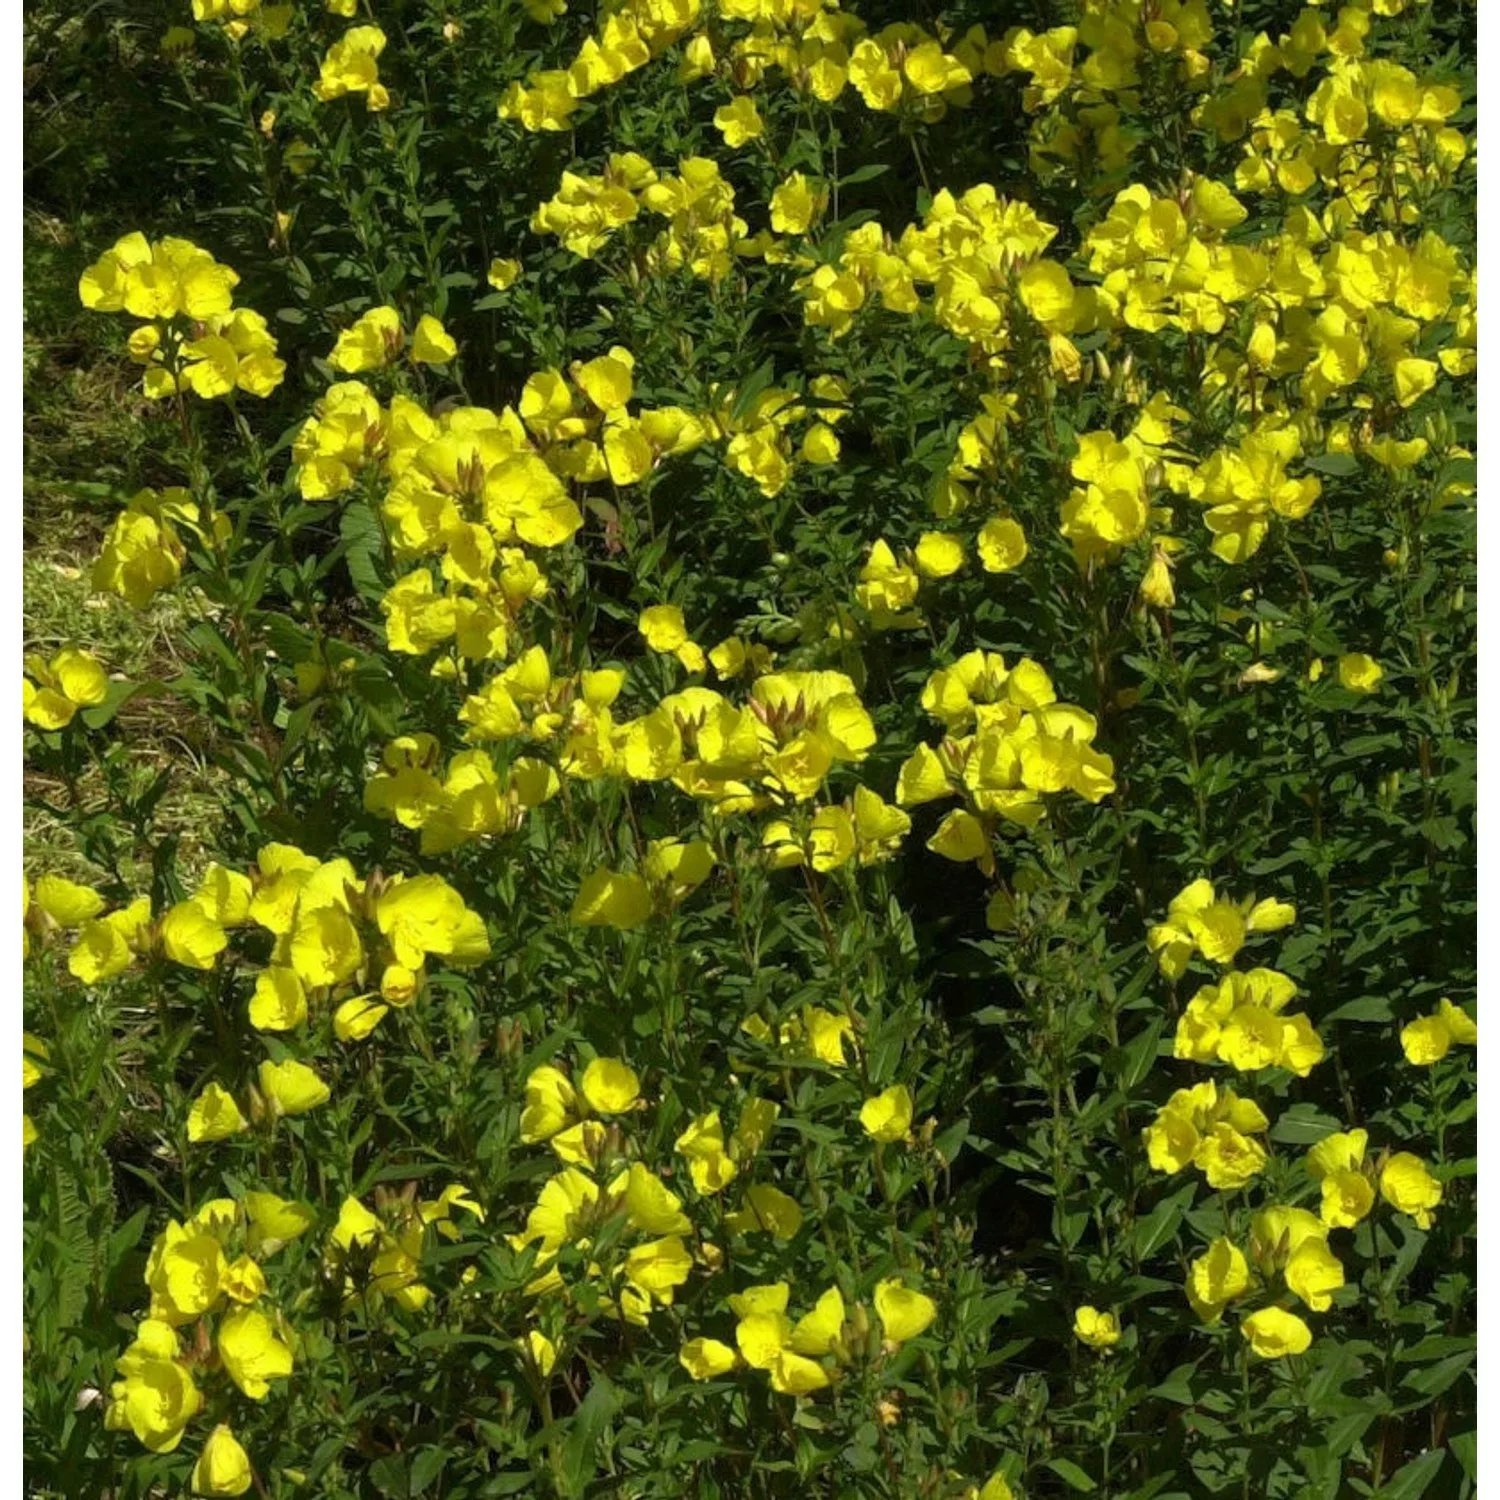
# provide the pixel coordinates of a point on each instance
(194, 338)
(1022, 746)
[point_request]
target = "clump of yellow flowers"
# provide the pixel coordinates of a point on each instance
(193, 337)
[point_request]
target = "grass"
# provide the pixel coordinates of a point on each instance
(88, 447)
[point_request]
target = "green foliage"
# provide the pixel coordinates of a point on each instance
(1019, 990)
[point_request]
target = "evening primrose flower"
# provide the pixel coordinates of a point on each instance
(1359, 673)
(350, 66)
(279, 1002)
(274, 1222)
(70, 681)
(155, 1396)
(1216, 1278)
(1313, 1271)
(431, 343)
(223, 1467)
(938, 554)
(292, 1087)
(502, 273)
(68, 903)
(190, 937)
(887, 1116)
(1428, 1040)
(550, 1106)
(790, 1353)
(796, 204)
(1002, 545)
(1274, 1333)
(739, 121)
(1407, 1185)
(1337, 1161)
(709, 1162)
(704, 1358)
(1200, 921)
(903, 1313)
(665, 630)
(371, 343)
(610, 1086)
(541, 1351)
(1099, 1330)
(214, 1115)
(252, 1352)
(1212, 1129)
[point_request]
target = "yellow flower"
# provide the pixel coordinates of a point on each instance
(739, 121)
(704, 1359)
(663, 627)
(502, 273)
(795, 204)
(431, 343)
(292, 1087)
(325, 947)
(768, 1209)
(962, 838)
(610, 1086)
(223, 1467)
(1273, 1333)
(938, 554)
(1198, 920)
(161, 279)
(424, 915)
(1429, 1039)
(34, 1052)
(1216, 1278)
(1359, 673)
(1313, 1271)
(350, 67)
(1099, 1330)
(190, 937)
(1002, 545)
(607, 899)
(542, 1352)
(903, 1313)
(550, 1104)
(252, 1353)
(72, 680)
(274, 1221)
(370, 344)
(279, 1002)
(709, 1163)
(184, 1274)
(887, 1117)
(214, 1115)
(156, 1397)
(66, 902)
(1407, 1185)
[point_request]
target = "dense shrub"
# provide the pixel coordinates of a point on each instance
(840, 650)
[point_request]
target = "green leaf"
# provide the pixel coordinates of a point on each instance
(425, 1467)
(364, 549)
(1303, 1125)
(1338, 464)
(1068, 1471)
(118, 695)
(1177, 1387)
(580, 1449)
(1433, 1380)
(1465, 1448)
(1130, 1063)
(1412, 1480)
(867, 173)
(1160, 1225)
